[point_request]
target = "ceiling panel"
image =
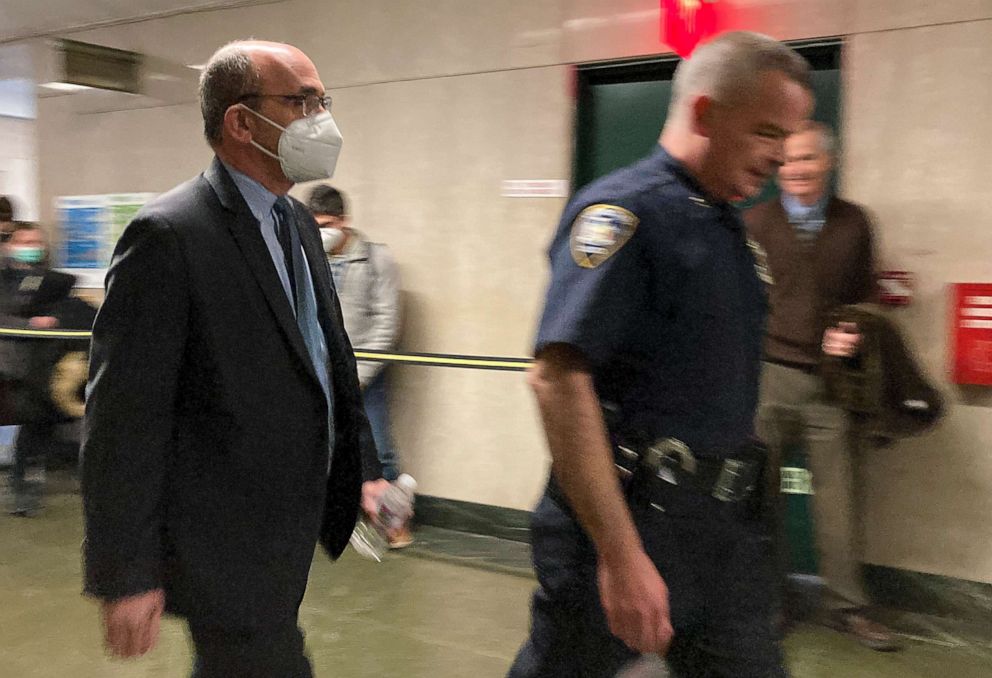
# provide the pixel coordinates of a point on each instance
(32, 18)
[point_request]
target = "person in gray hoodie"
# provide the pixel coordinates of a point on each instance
(367, 284)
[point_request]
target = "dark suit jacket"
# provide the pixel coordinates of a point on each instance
(38, 293)
(205, 444)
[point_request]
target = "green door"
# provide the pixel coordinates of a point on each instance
(621, 109)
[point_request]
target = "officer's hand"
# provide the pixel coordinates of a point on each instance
(842, 341)
(131, 624)
(43, 322)
(635, 599)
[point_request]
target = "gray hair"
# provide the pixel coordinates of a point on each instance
(828, 140)
(728, 67)
(228, 77)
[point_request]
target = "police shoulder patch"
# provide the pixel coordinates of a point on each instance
(599, 232)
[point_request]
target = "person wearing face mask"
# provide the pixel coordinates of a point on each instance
(32, 295)
(367, 283)
(224, 420)
(818, 252)
(6, 218)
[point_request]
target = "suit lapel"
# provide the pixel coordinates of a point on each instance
(248, 235)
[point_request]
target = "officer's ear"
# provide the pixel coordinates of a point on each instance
(701, 112)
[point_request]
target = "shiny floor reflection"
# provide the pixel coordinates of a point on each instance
(411, 616)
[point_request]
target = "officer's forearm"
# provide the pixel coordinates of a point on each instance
(582, 460)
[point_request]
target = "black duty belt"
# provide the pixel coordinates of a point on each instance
(731, 479)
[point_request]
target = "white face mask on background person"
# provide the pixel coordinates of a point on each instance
(331, 237)
(308, 147)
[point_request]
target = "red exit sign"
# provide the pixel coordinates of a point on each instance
(686, 23)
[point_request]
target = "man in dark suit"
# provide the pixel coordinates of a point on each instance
(224, 414)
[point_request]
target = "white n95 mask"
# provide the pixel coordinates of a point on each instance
(308, 147)
(331, 237)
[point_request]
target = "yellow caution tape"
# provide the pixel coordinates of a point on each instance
(45, 334)
(516, 364)
(432, 359)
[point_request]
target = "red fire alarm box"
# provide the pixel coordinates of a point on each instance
(971, 332)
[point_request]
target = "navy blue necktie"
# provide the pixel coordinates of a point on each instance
(305, 305)
(284, 226)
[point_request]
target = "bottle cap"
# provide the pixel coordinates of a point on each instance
(406, 482)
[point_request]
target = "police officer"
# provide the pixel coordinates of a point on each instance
(647, 539)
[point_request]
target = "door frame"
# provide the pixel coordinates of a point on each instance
(822, 53)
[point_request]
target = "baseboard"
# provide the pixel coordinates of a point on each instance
(888, 586)
(930, 593)
(466, 516)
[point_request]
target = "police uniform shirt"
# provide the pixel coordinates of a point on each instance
(656, 284)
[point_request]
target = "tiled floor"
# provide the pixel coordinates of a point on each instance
(436, 611)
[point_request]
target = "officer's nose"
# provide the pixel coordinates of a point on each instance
(778, 154)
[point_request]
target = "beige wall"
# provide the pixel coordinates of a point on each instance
(19, 165)
(919, 143)
(439, 101)
(18, 149)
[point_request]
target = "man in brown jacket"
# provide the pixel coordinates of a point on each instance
(816, 253)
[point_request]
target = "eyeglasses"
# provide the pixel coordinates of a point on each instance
(310, 103)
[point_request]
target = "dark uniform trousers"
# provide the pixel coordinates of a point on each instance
(716, 561)
(276, 652)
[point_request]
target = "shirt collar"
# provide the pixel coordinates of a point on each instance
(730, 216)
(260, 199)
(799, 212)
(354, 250)
(675, 166)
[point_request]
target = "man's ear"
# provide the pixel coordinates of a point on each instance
(701, 112)
(831, 162)
(236, 125)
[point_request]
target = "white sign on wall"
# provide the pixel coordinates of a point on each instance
(534, 188)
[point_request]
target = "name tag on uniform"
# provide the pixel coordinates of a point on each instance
(760, 262)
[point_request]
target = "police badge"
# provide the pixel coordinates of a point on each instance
(600, 231)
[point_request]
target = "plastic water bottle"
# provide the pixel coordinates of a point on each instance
(396, 504)
(370, 538)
